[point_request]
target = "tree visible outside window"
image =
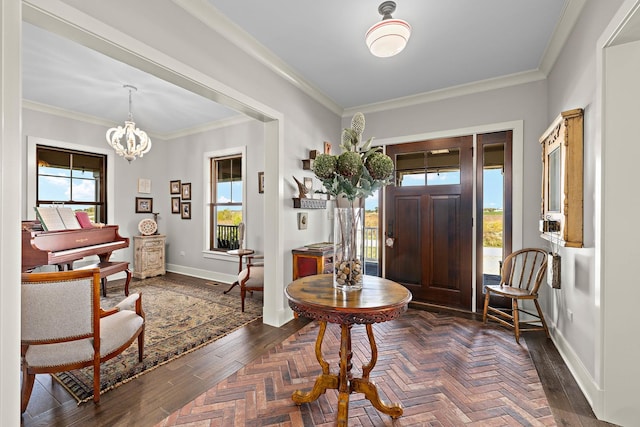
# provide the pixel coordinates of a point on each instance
(227, 193)
(72, 178)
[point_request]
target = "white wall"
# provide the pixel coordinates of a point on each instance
(620, 250)
(216, 68)
(183, 159)
(575, 310)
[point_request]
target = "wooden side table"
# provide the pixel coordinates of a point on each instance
(309, 261)
(379, 300)
(148, 256)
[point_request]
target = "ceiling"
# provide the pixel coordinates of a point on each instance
(320, 45)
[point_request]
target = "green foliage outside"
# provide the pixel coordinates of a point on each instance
(492, 221)
(229, 217)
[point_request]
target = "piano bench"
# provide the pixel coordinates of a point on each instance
(108, 268)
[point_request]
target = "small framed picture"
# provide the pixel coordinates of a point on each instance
(174, 187)
(186, 191)
(260, 182)
(327, 147)
(303, 218)
(144, 205)
(175, 205)
(185, 210)
(144, 186)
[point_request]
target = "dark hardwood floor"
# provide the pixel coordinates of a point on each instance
(155, 395)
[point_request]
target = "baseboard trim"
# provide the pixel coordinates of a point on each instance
(587, 384)
(202, 274)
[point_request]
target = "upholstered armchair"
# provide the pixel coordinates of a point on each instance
(252, 277)
(64, 328)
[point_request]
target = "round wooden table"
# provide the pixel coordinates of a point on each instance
(379, 300)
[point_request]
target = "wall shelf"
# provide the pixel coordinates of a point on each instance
(309, 203)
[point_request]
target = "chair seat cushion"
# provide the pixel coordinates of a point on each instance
(509, 291)
(257, 276)
(118, 329)
(60, 354)
(115, 331)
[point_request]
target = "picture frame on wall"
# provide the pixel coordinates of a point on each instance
(144, 205)
(186, 191)
(175, 205)
(185, 210)
(327, 147)
(144, 186)
(260, 182)
(303, 219)
(174, 187)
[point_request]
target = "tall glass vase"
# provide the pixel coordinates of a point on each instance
(348, 266)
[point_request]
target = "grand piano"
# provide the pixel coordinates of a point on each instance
(62, 248)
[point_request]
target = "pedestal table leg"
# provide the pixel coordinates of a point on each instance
(324, 381)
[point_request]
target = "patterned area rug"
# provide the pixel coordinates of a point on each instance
(444, 370)
(180, 317)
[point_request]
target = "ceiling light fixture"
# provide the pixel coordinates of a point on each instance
(137, 141)
(389, 36)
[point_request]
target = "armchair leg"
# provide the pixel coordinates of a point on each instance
(233, 285)
(27, 387)
(96, 380)
(243, 294)
(141, 346)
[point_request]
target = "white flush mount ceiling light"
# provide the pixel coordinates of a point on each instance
(136, 141)
(389, 36)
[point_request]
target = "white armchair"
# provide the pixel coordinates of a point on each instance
(64, 328)
(252, 277)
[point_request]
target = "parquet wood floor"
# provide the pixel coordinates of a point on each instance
(446, 371)
(149, 399)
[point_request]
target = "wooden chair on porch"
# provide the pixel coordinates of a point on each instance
(522, 274)
(64, 328)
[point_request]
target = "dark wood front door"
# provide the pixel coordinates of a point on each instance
(428, 230)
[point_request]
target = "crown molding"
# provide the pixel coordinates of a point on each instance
(210, 16)
(450, 92)
(86, 118)
(563, 29)
(230, 121)
(67, 114)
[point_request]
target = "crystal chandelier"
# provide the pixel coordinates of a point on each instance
(136, 141)
(389, 36)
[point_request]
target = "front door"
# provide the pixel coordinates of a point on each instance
(428, 230)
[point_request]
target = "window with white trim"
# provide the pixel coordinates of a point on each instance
(227, 200)
(73, 178)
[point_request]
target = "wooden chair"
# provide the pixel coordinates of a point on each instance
(521, 275)
(252, 277)
(64, 328)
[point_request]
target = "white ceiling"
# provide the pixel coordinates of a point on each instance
(320, 43)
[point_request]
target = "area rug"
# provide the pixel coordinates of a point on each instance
(180, 317)
(444, 370)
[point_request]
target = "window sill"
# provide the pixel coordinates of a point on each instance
(220, 255)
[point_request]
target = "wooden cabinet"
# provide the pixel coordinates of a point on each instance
(562, 180)
(148, 256)
(310, 261)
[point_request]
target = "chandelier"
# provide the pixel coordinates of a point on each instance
(389, 36)
(136, 142)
